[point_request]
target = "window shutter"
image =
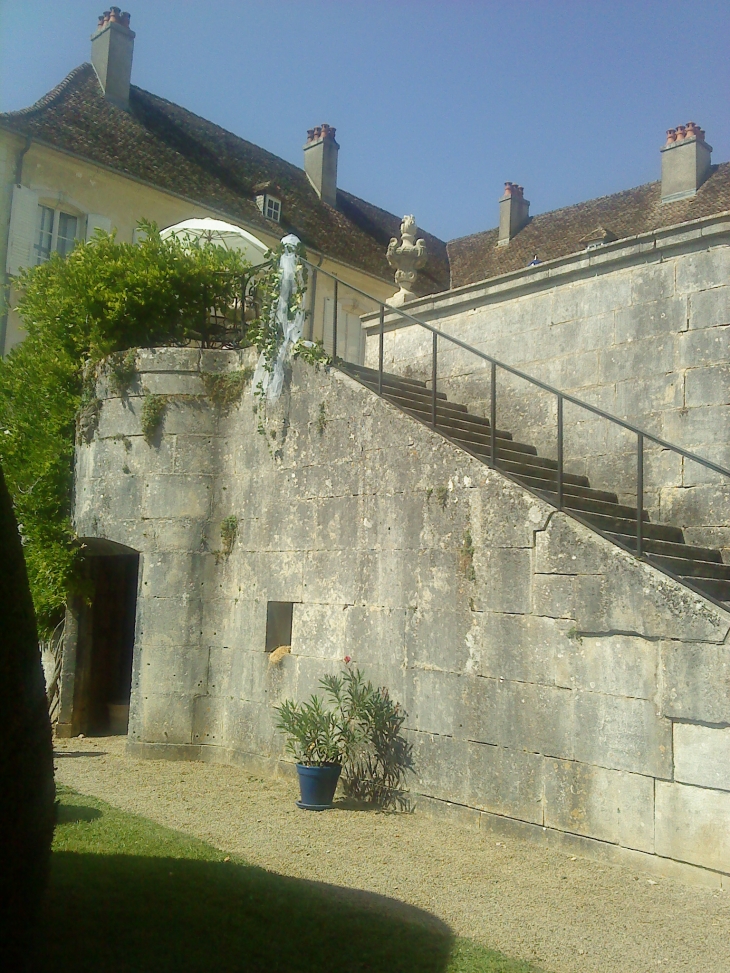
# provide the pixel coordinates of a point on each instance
(23, 218)
(96, 222)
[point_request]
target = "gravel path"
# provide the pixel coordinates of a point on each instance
(565, 915)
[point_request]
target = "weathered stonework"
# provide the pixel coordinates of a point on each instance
(548, 676)
(639, 328)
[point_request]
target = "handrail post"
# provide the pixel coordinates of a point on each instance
(433, 379)
(560, 452)
(380, 350)
(334, 325)
(493, 418)
(639, 494)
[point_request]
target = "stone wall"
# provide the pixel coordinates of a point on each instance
(553, 684)
(640, 329)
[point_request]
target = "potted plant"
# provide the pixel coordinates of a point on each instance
(318, 742)
(361, 730)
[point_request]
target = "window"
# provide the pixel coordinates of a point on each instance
(273, 209)
(270, 206)
(278, 624)
(66, 233)
(54, 231)
(44, 234)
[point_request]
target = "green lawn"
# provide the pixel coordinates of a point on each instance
(129, 896)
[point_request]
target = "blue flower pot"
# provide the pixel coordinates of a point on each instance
(317, 786)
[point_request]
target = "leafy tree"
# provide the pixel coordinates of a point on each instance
(105, 297)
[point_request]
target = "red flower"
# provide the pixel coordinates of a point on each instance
(347, 659)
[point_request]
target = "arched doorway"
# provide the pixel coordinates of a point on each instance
(105, 639)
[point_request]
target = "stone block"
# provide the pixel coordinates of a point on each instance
(703, 269)
(694, 428)
(639, 397)
(696, 681)
(693, 825)
(178, 495)
(506, 781)
(197, 454)
(376, 636)
(587, 298)
(170, 668)
(553, 595)
(517, 647)
(173, 574)
(172, 383)
(228, 675)
(503, 578)
(609, 805)
(119, 417)
(622, 734)
(588, 334)
(636, 357)
(169, 621)
(189, 416)
(710, 308)
(433, 701)
(337, 523)
(318, 631)
(703, 505)
(702, 755)
(652, 282)
(635, 323)
(617, 665)
(168, 360)
(709, 346)
(210, 716)
(441, 639)
(178, 534)
(566, 547)
(163, 718)
(707, 386)
(520, 716)
(213, 360)
(441, 767)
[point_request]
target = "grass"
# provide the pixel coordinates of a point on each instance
(129, 896)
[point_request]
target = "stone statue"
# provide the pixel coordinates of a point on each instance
(408, 258)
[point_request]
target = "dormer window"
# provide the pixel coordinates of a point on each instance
(270, 206)
(598, 238)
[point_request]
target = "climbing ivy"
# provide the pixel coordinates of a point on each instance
(105, 297)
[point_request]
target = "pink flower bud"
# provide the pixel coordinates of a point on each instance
(347, 659)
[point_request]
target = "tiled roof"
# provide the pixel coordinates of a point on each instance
(177, 150)
(564, 231)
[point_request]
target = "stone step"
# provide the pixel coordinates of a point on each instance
(626, 526)
(710, 586)
(671, 549)
(369, 377)
(545, 484)
(515, 460)
(691, 568)
(588, 504)
(456, 420)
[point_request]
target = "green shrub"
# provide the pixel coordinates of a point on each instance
(153, 416)
(106, 297)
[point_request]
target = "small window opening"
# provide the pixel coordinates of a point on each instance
(270, 206)
(278, 624)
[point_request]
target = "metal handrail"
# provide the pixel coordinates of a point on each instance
(562, 397)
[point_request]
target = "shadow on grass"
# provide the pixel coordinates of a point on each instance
(129, 914)
(73, 813)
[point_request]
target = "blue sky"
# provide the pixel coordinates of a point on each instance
(436, 104)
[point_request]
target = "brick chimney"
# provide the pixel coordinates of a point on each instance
(685, 162)
(112, 46)
(514, 213)
(320, 162)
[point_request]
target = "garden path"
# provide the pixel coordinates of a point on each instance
(565, 914)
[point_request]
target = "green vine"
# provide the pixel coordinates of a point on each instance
(122, 368)
(229, 530)
(153, 416)
(466, 557)
(321, 419)
(225, 389)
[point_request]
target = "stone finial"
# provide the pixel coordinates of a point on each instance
(407, 259)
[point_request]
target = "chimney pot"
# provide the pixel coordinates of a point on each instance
(320, 162)
(686, 161)
(514, 213)
(112, 49)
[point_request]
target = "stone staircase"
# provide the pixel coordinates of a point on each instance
(664, 546)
